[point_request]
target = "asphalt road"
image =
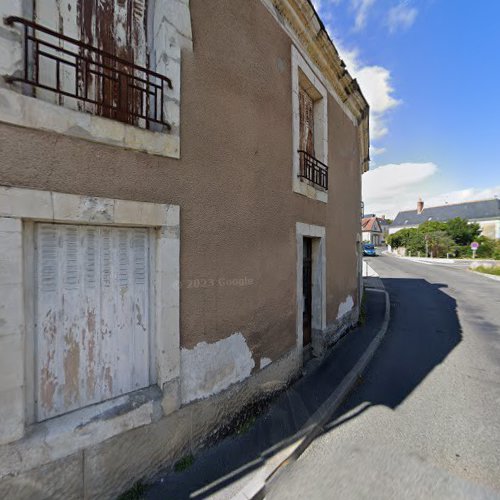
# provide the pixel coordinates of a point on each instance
(425, 420)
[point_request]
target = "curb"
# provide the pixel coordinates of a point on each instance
(486, 275)
(427, 260)
(256, 487)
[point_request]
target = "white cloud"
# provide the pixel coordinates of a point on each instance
(375, 83)
(468, 194)
(394, 187)
(401, 16)
(374, 151)
(317, 4)
(374, 80)
(361, 8)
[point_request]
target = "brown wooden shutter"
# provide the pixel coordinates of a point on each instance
(119, 28)
(306, 113)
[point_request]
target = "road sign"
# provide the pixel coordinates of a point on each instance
(474, 245)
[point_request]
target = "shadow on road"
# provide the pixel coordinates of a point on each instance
(424, 329)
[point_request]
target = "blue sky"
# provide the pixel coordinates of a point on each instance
(430, 70)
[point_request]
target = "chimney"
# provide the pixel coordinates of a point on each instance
(420, 206)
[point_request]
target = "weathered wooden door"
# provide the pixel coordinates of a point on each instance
(307, 290)
(117, 27)
(92, 320)
(306, 115)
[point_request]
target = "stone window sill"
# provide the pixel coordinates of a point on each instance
(25, 111)
(63, 435)
(310, 190)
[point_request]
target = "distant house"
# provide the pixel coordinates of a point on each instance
(384, 226)
(372, 230)
(485, 212)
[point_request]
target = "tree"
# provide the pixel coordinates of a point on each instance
(439, 243)
(411, 239)
(487, 248)
(440, 238)
(432, 226)
(400, 238)
(461, 231)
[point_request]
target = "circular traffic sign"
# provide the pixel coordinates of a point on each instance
(474, 245)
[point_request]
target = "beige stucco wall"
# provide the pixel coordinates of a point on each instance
(490, 228)
(238, 211)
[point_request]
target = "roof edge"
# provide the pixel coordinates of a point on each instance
(448, 205)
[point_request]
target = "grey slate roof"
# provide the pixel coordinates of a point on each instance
(471, 210)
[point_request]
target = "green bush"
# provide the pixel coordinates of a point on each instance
(431, 226)
(496, 254)
(462, 232)
(488, 270)
(439, 243)
(462, 252)
(486, 248)
(411, 239)
(442, 238)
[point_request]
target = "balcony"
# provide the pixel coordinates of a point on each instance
(313, 170)
(89, 79)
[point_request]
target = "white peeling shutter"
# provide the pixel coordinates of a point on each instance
(92, 315)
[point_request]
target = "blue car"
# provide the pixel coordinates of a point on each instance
(369, 250)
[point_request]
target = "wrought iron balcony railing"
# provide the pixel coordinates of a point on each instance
(313, 170)
(101, 83)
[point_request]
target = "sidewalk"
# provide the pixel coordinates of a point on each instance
(239, 465)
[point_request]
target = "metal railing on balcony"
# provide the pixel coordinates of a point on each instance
(312, 169)
(102, 83)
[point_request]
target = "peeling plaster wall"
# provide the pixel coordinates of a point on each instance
(238, 256)
(232, 183)
(11, 53)
(210, 368)
(345, 306)
(238, 210)
(326, 338)
(102, 457)
(264, 362)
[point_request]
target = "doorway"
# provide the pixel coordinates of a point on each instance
(311, 284)
(307, 290)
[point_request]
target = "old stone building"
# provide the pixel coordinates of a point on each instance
(180, 185)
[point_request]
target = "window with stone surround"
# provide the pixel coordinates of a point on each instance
(310, 131)
(306, 119)
(114, 60)
(91, 294)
